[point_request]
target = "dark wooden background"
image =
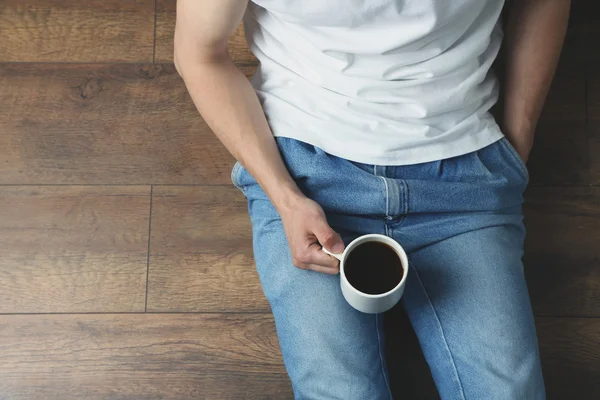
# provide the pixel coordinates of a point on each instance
(126, 268)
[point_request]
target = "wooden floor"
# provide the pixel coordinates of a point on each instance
(126, 264)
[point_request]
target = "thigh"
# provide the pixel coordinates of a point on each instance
(468, 302)
(330, 350)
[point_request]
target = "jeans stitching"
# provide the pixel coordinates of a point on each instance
(381, 358)
(462, 392)
(387, 198)
(405, 205)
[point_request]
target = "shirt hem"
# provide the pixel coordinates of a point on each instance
(427, 153)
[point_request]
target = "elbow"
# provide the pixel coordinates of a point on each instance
(178, 57)
(181, 52)
(186, 56)
(177, 62)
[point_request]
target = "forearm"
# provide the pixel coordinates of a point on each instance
(534, 38)
(231, 108)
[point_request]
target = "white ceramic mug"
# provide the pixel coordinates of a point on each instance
(372, 303)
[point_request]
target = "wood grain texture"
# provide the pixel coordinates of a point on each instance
(149, 357)
(104, 124)
(593, 92)
(593, 110)
(77, 30)
(594, 151)
(201, 252)
(584, 31)
(570, 352)
(73, 249)
(560, 154)
(165, 29)
(562, 252)
(567, 96)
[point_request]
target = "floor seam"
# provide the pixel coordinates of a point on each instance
(154, 38)
(148, 249)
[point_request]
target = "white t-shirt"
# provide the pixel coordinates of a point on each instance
(385, 82)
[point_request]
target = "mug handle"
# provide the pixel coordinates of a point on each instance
(339, 256)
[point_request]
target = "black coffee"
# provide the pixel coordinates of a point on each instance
(373, 268)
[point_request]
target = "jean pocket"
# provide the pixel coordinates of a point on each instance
(235, 176)
(516, 158)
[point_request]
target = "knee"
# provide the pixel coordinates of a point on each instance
(509, 374)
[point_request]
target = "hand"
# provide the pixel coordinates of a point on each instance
(307, 231)
(523, 148)
(521, 139)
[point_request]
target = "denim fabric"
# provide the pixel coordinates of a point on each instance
(460, 222)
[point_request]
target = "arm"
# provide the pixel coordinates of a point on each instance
(534, 38)
(229, 105)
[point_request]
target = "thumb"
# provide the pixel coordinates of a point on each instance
(329, 238)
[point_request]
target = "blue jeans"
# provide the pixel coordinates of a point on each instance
(461, 224)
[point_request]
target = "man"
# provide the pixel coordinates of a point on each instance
(372, 116)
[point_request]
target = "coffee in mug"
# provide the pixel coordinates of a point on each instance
(373, 268)
(373, 271)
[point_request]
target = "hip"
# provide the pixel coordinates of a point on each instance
(491, 179)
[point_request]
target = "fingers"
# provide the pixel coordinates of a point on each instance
(317, 268)
(308, 232)
(317, 256)
(329, 238)
(323, 270)
(315, 259)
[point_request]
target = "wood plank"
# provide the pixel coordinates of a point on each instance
(566, 99)
(593, 90)
(578, 32)
(73, 249)
(104, 124)
(165, 29)
(150, 357)
(560, 154)
(201, 252)
(562, 256)
(179, 356)
(584, 30)
(77, 30)
(570, 351)
(594, 150)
